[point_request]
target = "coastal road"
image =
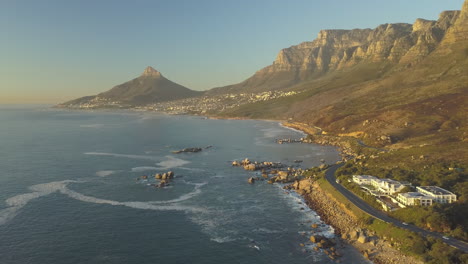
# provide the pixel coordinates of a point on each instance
(330, 177)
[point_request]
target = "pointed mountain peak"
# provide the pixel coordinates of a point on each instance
(150, 71)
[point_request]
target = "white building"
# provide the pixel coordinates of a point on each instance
(388, 186)
(414, 198)
(438, 194)
(363, 179)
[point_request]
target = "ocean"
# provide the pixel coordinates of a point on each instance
(71, 190)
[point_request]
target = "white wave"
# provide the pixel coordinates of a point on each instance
(132, 204)
(92, 125)
(22, 199)
(7, 214)
(192, 169)
(172, 162)
(184, 197)
(105, 173)
(143, 168)
(222, 239)
(144, 157)
(15, 203)
(267, 231)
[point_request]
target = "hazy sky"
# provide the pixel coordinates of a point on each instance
(55, 50)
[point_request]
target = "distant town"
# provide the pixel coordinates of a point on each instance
(192, 105)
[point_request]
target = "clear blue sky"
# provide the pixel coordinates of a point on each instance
(55, 50)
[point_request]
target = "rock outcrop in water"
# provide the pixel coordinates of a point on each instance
(187, 150)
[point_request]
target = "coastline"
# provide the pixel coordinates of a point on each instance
(334, 213)
(331, 211)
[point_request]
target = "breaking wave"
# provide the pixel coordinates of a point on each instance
(15, 203)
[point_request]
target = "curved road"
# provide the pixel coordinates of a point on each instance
(330, 177)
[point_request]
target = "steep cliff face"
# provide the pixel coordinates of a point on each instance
(405, 82)
(401, 45)
(459, 30)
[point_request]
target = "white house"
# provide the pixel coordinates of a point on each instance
(438, 194)
(414, 198)
(363, 179)
(388, 186)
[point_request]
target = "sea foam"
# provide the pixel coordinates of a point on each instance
(105, 173)
(172, 162)
(143, 157)
(16, 202)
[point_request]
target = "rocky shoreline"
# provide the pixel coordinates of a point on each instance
(347, 227)
(332, 212)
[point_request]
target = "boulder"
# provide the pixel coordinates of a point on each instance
(158, 176)
(245, 162)
(170, 174)
(315, 238)
(250, 167)
(235, 163)
(163, 183)
(363, 239)
(164, 176)
(314, 225)
(353, 234)
(326, 243)
(251, 180)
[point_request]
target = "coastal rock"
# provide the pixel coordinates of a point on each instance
(250, 167)
(363, 239)
(315, 238)
(251, 180)
(187, 150)
(170, 174)
(158, 176)
(353, 235)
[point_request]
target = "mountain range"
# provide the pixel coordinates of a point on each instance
(407, 82)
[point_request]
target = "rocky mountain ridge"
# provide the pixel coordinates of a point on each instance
(400, 45)
(405, 83)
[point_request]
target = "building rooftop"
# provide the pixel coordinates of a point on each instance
(368, 177)
(435, 190)
(415, 195)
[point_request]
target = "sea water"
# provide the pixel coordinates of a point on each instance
(71, 190)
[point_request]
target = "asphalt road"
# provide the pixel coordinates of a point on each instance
(330, 177)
